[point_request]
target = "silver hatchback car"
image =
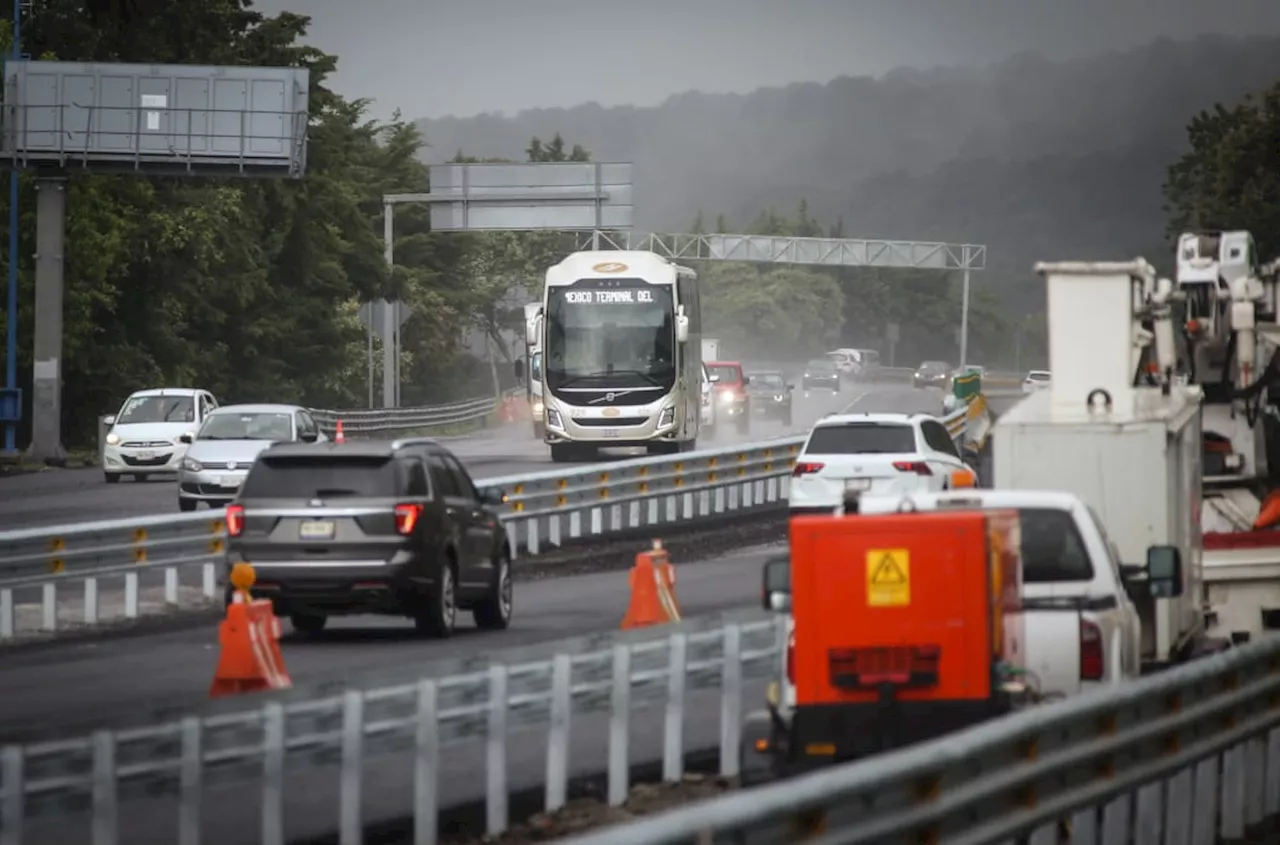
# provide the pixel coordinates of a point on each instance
(230, 440)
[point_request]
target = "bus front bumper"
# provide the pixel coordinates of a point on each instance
(629, 430)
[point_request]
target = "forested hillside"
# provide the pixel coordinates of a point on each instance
(1036, 159)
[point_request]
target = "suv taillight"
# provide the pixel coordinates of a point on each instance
(1092, 665)
(791, 659)
(918, 467)
(235, 520)
(407, 518)
(806, 468)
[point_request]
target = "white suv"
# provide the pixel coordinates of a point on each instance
(872, 453)
(1036, 380)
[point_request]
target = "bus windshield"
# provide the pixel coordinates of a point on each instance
(610, 333)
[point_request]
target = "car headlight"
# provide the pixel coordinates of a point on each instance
(726, 398)
(667, 417)
(554, 419)
(778, 397)
(537, 408)
(113, 439)
(192, 465)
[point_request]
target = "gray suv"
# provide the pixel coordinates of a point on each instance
(385, 527)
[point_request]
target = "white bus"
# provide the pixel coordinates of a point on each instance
(533, 368)
(622, 360)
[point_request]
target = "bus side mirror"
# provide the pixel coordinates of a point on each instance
(518, 367)
(777, 585)
(682, 328)
(1164, 571)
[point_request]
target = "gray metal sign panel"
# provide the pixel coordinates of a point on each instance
(161, 119)
(523, 197)
(371, 314)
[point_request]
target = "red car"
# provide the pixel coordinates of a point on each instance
(730, 392)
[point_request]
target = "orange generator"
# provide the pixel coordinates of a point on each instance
(907, 626)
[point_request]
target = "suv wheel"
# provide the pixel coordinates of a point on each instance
(306, 623)
(493, 613)
(439, 613)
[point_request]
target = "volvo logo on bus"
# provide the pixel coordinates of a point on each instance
(608, 397)
(610, 267)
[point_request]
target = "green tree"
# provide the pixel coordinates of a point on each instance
(1228, 178)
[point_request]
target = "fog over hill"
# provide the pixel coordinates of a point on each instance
(1035, 158)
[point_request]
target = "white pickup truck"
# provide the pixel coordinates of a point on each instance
(1082, 628)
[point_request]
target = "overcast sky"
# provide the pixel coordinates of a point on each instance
(431, 58)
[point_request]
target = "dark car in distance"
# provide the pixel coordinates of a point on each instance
(771, 396)
(932, 374)
(820, 374)
(384, 527)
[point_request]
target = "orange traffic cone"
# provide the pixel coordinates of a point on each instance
(1269, 513)
(251, 660)
(337, 435)
(653, 590)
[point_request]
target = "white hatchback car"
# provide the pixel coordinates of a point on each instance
(1036, 380)
(872, 453)
(145, 437)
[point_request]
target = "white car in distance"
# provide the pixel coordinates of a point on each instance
(1036, 380)
(873, 453)
(145, 436)
(219, 456)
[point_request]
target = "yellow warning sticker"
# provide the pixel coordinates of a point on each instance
(888, 578)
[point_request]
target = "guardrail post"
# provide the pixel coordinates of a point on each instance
(12, 792)
(731, 700)
(8, 624)
(673, 725)
(91, 601)
(558, 733)
(496, 799)
(1204, 825)
(49, 607)
(620, 725)
(426, 767)
(350, 829)
(273, 774)
(106, 829)
(190, 782)
(1233, 792)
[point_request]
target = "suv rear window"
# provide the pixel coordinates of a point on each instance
(1052, 549)
(861, 439)
(311, 477)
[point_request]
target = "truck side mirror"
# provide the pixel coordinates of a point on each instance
(1164, 571)
(518, 367)
(682, 328)
(776, 595)
(746, 380)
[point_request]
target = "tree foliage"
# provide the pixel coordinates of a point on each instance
(252, 289)
(1229, 178)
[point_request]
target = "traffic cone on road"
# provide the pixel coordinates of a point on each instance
(249, 637)
(338, 436)
(653, 590)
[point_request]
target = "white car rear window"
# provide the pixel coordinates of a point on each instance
(862, 439)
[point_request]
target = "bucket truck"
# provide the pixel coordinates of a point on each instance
(1230, 336)
(1122, 432)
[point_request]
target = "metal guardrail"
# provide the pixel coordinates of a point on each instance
(544, 511)
(1189, 756)
(276, 745)
(361, 423)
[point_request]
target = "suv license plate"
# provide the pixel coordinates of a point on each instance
(229, 481)
(316, 530)
(609, 432)
(857, 485)
(146, 455)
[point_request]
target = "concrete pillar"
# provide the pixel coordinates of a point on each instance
(46, 399)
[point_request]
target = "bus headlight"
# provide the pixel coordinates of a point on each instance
(553, 419)
(667, 417)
